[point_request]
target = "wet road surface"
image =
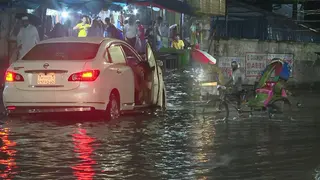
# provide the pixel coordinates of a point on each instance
(179, 144)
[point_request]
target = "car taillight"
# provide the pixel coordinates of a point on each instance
(11, 108)
(91, 75)
(13, 77)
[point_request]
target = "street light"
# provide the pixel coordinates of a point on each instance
(156, 9)
(135, 11)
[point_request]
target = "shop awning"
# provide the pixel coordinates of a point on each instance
(93, 6)
(173, 5)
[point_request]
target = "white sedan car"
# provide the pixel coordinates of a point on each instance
(84, 74)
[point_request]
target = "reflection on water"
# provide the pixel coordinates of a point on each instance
(82, 147)
(7, 156)
(203, 135)
(178, 145)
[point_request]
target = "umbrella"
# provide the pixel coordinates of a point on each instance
(202, 57)
(33, 19)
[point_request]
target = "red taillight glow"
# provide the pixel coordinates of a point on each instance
(11, 108)
(91, 75)
(13, 77)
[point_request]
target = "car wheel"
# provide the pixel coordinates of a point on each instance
(113, 108)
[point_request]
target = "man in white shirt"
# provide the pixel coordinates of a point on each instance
(131, 32)
(104, 13)
(236, 81)
(27, 38)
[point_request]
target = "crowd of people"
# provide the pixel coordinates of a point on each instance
(132, 31)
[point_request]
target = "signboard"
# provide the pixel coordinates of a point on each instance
(255, 63)
(224, 63)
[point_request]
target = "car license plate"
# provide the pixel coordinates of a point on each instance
(46, 79)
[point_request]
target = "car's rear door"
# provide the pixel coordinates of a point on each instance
(120, 75)
(156, 86)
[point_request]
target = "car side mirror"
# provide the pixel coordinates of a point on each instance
(159, 63)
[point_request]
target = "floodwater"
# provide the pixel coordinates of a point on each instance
(179, 144)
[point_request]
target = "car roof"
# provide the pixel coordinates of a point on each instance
(93, 40)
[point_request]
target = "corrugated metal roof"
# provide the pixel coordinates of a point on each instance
(209, 7)
(174, 5)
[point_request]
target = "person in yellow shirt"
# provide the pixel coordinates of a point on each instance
(177, 43)
(83, 27)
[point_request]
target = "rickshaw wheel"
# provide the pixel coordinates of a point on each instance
(280, 108)
(217, 109)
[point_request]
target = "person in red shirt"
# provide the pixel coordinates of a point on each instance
(141, 35)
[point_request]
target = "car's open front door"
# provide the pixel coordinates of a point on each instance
(155, 85)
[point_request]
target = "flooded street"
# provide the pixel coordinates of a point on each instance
(179, 144)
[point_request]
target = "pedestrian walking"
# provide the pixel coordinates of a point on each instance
(27, 38)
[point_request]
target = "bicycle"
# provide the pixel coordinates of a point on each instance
(222, 102)
(221, 105)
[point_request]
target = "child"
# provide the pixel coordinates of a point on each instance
(177, 43)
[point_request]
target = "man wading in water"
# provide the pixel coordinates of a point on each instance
(236, 81)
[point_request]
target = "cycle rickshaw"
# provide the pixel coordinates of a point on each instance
(270, 95)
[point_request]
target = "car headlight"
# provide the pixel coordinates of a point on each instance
(208, 84)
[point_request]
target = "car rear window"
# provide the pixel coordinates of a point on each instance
(63, 51)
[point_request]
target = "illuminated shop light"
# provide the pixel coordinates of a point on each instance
(135, 11)
(65, 14)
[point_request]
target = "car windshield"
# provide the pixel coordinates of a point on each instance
(63, 51)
